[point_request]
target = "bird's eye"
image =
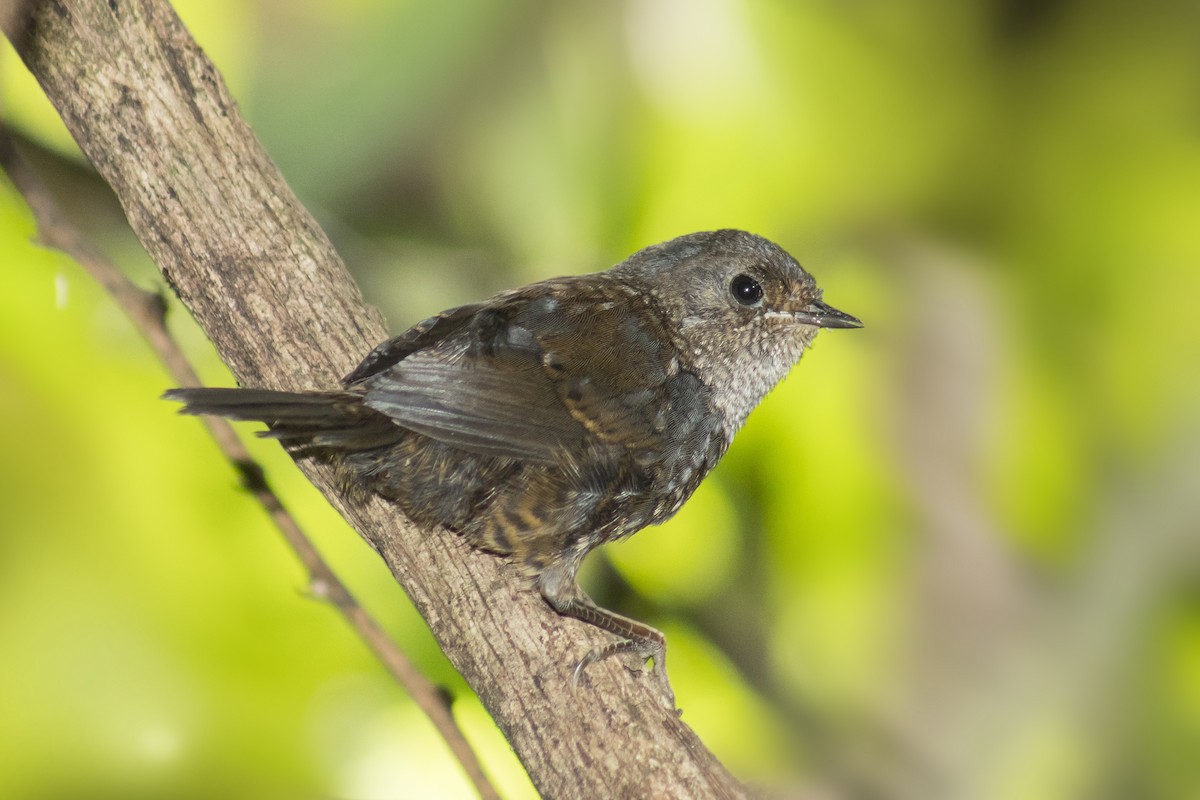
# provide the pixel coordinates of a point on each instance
(746, 290)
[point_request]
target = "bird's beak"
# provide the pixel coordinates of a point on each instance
(825, 316)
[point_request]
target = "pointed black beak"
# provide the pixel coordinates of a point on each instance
(826, 316)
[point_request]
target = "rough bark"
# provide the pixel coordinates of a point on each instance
(155, 118)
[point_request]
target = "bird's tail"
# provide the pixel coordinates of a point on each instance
(299, 420)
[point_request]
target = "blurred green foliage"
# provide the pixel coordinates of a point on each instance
(964, 541)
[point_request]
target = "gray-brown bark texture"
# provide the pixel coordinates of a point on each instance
(154, 116)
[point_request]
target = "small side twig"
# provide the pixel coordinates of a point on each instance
(147, 311)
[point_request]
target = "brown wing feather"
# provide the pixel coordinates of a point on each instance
(529, 378)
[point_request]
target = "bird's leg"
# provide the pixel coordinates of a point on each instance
(636, 638)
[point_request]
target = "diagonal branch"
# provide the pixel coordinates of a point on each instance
(147, 311)
(153, 115)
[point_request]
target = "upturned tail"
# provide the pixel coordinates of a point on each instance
(299, 420)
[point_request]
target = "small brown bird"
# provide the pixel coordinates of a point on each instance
(556, 417)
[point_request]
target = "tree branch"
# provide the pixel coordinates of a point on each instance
(155, 118)
(147, 311)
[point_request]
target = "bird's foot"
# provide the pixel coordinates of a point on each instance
(634, 654)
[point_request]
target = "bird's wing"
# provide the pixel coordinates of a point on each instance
(533, 377)
(424, 334)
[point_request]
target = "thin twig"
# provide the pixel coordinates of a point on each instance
(147, 310)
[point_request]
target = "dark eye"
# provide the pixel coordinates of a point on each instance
(746, 290)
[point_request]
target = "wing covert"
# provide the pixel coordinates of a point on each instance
(535, 376)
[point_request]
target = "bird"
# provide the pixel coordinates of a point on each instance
(556, 417)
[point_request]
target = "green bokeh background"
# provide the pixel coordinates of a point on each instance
(961, 543)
